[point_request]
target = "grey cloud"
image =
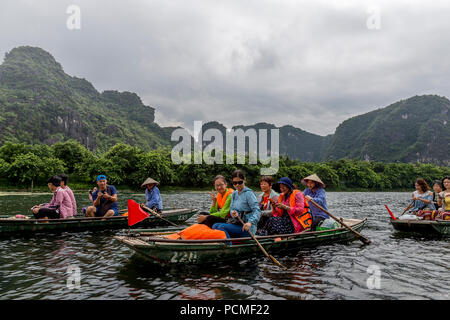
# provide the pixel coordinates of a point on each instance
(311, 64)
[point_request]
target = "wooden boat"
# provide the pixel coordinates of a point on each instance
(153, 246)
(432, 227)
(21, 226)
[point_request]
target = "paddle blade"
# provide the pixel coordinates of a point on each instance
(390, 212)
(135, 213)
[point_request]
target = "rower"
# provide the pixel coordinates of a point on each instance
(152, 195)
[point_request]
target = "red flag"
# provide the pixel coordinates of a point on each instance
(390, 212)
(135, 213)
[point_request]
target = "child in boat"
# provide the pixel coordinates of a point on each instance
(315, 192)
(423, 199)
(244, 204)
(66, 188)
(59, 207)
(444, 200)
(152, 195)
(220, 206)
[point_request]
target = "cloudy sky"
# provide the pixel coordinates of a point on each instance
(311, 64)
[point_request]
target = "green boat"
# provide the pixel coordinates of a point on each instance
(9, 226)
(153, 246)
(431, 227)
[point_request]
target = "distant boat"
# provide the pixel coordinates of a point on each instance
(432, 227)
(11, 226)
(152, 244)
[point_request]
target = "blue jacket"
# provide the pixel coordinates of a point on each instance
(153, 198)
(246, 202)
(318, 196)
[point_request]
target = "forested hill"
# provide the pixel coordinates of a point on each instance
(412, 130)
(40, 103)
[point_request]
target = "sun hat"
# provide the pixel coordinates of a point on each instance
(286, 181)
(314, 177)
(149, 181)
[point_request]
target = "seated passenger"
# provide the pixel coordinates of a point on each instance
(437, 189)
(244, 204)
(444, 200)
(64, 179)
(423, 199)
(315, 192)
(291, 213)
(152, 195)
(105, 200)
(267, 197)
(59, 207)
(220, 207)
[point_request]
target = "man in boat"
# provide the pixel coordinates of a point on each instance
(105, 200)
(152, 195)
(59, 207)
(66, 188)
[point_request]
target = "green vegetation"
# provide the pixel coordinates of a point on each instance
(128, 166)
(40, 103)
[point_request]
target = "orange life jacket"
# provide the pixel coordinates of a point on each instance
(305, 218)
(222, 199)
(197, 231)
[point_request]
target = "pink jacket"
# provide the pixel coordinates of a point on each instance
(72, 198)
(295, 211)
(62, 199)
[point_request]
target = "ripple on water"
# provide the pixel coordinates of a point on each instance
(411, 267)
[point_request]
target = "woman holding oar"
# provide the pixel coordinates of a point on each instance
(423, 200)
(152, 195)
(316, 192)
(244, 205)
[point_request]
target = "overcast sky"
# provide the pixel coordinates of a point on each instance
(311, 64)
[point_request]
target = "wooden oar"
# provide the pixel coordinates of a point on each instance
(158, 215)
(407, 208)
(261, 247)
(357, 234)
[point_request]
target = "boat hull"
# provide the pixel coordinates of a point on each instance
(207, 252)
(27, 226)
(431, 227)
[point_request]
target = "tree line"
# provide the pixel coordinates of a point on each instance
(23, 165)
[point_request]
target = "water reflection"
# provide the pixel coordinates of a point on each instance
(414, 267)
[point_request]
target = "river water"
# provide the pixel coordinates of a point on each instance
(410, 267)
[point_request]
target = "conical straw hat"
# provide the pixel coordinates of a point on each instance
(313, 177)
(149, 181)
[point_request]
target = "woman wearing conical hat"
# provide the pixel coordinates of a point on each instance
(315, 192)
(152, 196)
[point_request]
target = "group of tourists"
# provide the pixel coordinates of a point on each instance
(103, 199)
(281, 208)
(431, 205)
